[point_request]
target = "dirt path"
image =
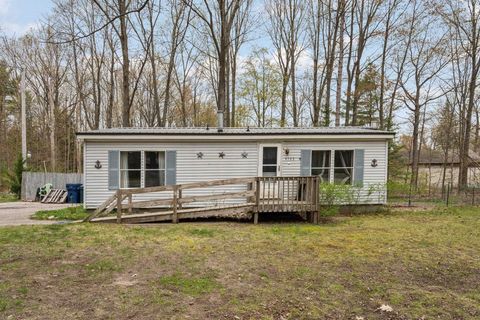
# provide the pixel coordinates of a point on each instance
(18, 213)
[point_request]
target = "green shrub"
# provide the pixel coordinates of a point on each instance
(14, 177)
(396, 188)
(332, 196)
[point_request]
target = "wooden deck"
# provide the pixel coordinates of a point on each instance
(298, 195)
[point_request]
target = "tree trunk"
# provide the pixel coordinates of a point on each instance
(168, 84)
(294, 94)
(415, 134)
(125, 65)
(233, 122)
(51, 107)
(348, 97)
(316, 106)
(284, 101)
(381, 110)
(227, 91)
(340, 64)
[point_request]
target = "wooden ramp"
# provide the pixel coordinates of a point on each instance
(240, 210)
(292, 194)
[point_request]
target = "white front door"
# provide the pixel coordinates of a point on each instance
(270, 155)
(269, 166)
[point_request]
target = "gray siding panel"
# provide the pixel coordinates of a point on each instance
(113, 169)
(171, 168)
(359, 166)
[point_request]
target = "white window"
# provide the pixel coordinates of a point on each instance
(134, 175)
(321, 165)
(154, 168)
(343, 167)
(130, 169)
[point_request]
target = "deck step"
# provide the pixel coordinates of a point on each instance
(220, 211)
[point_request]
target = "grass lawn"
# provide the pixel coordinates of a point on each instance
(422, 264)
(7, 197)
(70, 213)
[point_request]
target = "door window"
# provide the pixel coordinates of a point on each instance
(270, 161)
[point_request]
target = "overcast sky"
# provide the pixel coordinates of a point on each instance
(17, 16)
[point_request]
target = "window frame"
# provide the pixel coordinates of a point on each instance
(329, 168)
(352, 167)
(120, 170)
(332, 167)
(142, 169)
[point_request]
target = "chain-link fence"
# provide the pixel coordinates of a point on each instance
(449, 196)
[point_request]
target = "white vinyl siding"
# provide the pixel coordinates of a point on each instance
(374, 178)
(189, 168)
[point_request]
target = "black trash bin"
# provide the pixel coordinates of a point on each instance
(73, 190)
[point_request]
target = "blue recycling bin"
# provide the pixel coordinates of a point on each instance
(74, 192)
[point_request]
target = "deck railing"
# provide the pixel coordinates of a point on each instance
(286, 194)
(262, 194)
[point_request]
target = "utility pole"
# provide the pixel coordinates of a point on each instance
(24, 117)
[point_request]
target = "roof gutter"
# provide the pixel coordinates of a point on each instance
(234, 137)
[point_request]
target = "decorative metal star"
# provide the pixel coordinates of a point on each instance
(200, 155)
(221, 154)
(244, 155)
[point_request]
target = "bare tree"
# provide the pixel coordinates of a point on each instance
(463, 20)
(365, 23)
(242, 25)
(218, 18)
(426, 59)
(120, 11)
(286, 30)
(180, 18)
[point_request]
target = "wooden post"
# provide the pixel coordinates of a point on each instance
(250, 188)
(119, 206)
(180, 204)
(130, 204)
(175, 204)
(257, 200)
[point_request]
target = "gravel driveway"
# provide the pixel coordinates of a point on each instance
(18, 213)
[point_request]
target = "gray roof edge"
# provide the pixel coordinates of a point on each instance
(238, 131)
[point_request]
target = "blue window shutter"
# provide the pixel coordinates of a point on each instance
(113, 169)
(171, 176)
(359, 167)
(305, 163)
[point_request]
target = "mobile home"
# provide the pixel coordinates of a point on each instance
(124, 158)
